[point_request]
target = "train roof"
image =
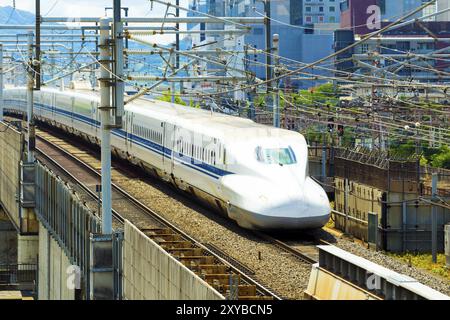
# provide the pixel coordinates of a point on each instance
(202, 121)
(210, 123)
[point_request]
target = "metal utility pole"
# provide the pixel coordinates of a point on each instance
(119, 88)
(37, 67)
(173, 63)
(434, 182)
(105, 123)
(276, 92)
(324, 160)
(177, 40)
(1, 82)
(30, 99)
(268, 40)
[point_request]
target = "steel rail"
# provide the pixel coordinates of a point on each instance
(75, 180)
(297, 253)
(261, 289)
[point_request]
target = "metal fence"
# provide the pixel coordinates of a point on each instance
(66, 218)
(404, 219)
(15, 274)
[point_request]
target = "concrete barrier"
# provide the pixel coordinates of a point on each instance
(8, 241)
(11, 152)
(341, 275)
(150, 273)
(55, 271)
(12, 193)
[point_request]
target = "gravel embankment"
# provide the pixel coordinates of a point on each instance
(279, 271)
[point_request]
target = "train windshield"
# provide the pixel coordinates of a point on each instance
(281, 156)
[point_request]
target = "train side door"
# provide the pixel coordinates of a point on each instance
(168, 146)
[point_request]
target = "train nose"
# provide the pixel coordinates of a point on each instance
(309, 210)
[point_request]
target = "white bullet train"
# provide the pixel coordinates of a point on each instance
(254, 174)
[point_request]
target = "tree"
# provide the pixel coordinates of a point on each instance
(442, 158)
(325, 94)
(167, 97)
(260, 101)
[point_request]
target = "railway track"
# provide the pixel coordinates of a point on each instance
(217, 268)
(304, 251)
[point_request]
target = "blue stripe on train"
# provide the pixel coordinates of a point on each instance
(150, 145)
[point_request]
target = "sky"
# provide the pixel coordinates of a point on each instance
(74, 8)
(96, 8)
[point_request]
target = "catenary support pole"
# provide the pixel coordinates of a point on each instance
(434, 182)
(275, 91)
(119, 88)
(324, 161)
(30, 99)
(177, 40)
(173, 65)
(37, 67)
(268, 30)
(105, 123)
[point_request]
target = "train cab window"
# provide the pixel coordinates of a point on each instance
(281, 156)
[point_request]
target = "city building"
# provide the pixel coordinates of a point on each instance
(416, 52)
(305, 29)
(437, 7)
(365, 16)
(442, 5)
(320, 11)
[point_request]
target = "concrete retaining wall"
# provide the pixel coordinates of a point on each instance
(404, 222)
(27, 249)
(53, 267)
(362, 199)
(150, 273)
(8, 240)
(11, 152)
(10, 155)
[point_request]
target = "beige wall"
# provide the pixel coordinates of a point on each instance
(11, 145)
(53, 265)
(149, 273)
(10, 155)
(362, 200)
(27, 249)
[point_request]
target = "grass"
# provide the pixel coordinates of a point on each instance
(423, 261)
